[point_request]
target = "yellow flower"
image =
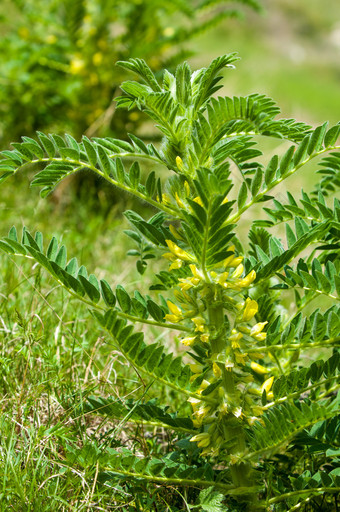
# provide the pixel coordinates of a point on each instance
(250, 310)
(229, 365)
(178, 252)
(235, 261)
(202, 440)
(258, 368)
(257, 410)
(222, 280)
(76, 65)
(196, 273)
(235, 336)
(174, 308)
(251, 420)
(217, 370)
(199, 322)
(185, 284)
(203, 412)
(237, 412)
(205, 337)
(174, 232)
(238, 271)
(179, 201)
(240, 358)
(176, 264)
(97, 58)
(198, 200)
(189, 341)
(261, 336)
(179, 163)
(164, 199)
(195, 403)
(172, 318)
(257, 328)
(267, 385)
(246, 281)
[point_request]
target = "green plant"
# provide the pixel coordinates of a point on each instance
(259, 425)
(62, 53)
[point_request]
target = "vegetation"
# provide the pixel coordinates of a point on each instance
(63, 54)
(224, 405)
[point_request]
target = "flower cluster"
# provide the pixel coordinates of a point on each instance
(219, 408)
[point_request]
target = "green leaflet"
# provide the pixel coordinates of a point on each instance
(150, 359)
(297, 380)
(149, 412)
(282, 422)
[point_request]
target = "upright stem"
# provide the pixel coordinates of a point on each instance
(240, 471)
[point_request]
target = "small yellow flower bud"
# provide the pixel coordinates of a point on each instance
(203, 411)
(166, 199)
(257, 410)
(185, 284)
(251, 420)
(204, 384)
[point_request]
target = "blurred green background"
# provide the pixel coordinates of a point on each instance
(291, 52)
(57, 73)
